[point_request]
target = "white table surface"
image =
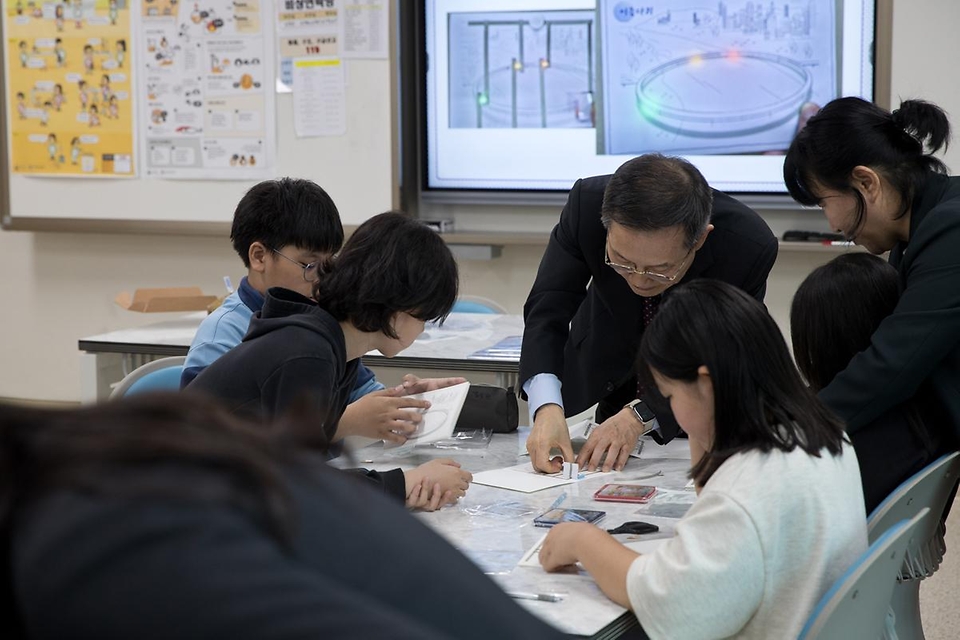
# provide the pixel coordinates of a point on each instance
(109, 356)
(494, 527)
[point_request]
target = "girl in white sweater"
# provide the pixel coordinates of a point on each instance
(779, 514)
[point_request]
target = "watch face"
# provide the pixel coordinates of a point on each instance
(643, 411)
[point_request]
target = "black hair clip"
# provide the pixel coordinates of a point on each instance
(635, 527)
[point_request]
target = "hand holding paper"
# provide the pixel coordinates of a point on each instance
(439, 419)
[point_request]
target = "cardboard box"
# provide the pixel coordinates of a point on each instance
(167, 299)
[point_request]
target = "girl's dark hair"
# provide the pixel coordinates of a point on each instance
(44, 449)
(80, 449)
(849, 132)
(286, 212)
(760, 402)
(392, 263)
(824, 340)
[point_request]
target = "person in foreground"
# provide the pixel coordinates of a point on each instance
(166, 516)
(375, 295)
(779, 514)
(285, 231)
(869, 171)
(900, 442)
(622, 243)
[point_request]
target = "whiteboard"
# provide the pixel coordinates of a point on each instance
(358, 170)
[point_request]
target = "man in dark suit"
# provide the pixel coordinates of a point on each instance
(622, 241)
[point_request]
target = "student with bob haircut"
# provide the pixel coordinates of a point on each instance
(391, 276)
(898, 443)
(285, 231)
(779, 514)
(873, 174)
(165, 516)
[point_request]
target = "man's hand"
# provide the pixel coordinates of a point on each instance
(383, 415)
(615, 439)
(549, 431)
(412, 384)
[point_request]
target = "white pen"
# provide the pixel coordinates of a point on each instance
(529, 595)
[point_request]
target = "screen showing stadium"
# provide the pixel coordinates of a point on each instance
(533, 94)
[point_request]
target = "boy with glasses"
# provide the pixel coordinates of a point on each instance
(286, 232)
(622, 241)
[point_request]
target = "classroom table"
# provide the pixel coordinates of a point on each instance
(107, 357)
(494, 527)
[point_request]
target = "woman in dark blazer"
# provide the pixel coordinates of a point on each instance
(870, 172)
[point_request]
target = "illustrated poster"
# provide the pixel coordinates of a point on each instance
(69, 87)
(208, 80)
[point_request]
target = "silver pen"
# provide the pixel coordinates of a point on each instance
(529, 595)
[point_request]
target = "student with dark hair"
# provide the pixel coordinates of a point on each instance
(161, 516)
(779, 514)
(377, 294)
(286, 231)
(869, 171)
(621, 244)
(865, 290)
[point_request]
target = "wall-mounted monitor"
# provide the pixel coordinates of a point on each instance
(533, 94)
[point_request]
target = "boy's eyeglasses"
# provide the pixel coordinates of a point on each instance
(311, 271)
(625, 271)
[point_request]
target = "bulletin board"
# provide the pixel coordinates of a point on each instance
(359, 169)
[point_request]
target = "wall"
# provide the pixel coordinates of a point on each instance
(59, 287)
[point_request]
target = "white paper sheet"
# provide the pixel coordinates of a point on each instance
(523, 478)
(319, 97)
(365, 27)
(531, 558)
(440, 419)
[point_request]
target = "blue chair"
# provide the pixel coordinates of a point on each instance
(856, 606)
(931, 487)
(158, 375)
(476, 304)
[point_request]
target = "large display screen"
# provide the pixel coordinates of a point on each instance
(533, 94)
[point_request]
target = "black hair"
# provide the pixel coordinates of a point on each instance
(865, 287)
(760, 401)
(851, 132)
(654, 192)
(392, 263)
(288, 211)
(43, 450)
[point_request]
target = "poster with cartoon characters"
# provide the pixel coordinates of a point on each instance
(207, 89)
(70, 87)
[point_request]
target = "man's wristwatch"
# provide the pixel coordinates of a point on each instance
(643, 413)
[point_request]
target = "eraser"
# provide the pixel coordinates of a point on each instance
(570, 470)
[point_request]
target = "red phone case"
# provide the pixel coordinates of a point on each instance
(614, 492)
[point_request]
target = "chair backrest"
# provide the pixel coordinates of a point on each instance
(477, 304)
(158, 375)
(855, 607)
(930, 487)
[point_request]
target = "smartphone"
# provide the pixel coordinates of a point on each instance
(625, 493)
(556, 516)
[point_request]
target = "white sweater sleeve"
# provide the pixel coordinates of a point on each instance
(707, 581)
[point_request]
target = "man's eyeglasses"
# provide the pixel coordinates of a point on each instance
(311, 271)
(625, 271)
